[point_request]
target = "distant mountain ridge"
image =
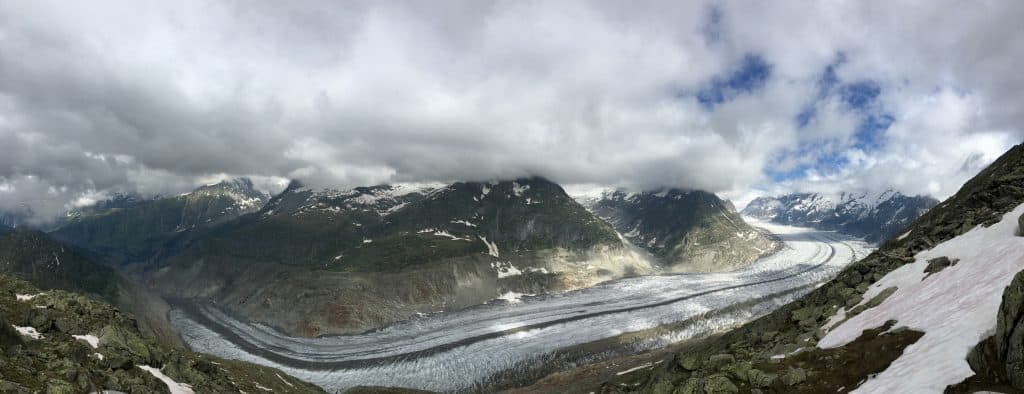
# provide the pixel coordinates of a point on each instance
(872, 216)
(129, 228)
(689, 230)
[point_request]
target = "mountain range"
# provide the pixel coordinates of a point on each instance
(875, 217)
(314, 261)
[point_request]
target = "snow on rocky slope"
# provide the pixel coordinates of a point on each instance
(955, 307)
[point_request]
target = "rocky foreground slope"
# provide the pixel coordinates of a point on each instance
(315, 262)
(688, 230)
(856, 330)
(875, 217)
(56, 341)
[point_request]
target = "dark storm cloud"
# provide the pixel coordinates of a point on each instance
(158, 97)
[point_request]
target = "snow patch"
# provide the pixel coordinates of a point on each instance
(27, 297)
(174, 387)
(518, 189)
(92, 340)
(505, 269)
(285, 381)
(634, 369)
(463, 222)
(28, 332)
(513, 297)
(367, 241)
(955, 307)
(446, 234)
(492, 248)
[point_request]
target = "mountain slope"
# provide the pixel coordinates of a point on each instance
(314, 262)
(63, 342)
(33, 256)
(691, 231)
(874, 217)
(793, 349)
(130, 229)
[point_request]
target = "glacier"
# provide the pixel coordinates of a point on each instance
(470, 348)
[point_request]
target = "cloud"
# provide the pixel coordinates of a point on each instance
(726, 96)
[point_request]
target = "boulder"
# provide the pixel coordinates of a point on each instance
(691, 386)
(758, 378)
(1009, 336)
(56, 386)
(1020, 225)
(718, 384)
(794, 376)
(854, 278)
(689, 362)
(739, 371)
(720, 360)
(8, 337)
(938, 264)
(662, 386)
(11, 387)
(118, 341)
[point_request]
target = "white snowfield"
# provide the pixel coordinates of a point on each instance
(458, 350)
(955, 308)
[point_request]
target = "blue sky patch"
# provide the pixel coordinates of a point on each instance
(859, 98)
(751, 75)
(860, 95)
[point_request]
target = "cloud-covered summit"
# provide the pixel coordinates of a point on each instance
(159, 97)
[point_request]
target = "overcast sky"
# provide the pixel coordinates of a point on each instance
(739, 98)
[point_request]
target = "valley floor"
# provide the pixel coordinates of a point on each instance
(503, 344)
